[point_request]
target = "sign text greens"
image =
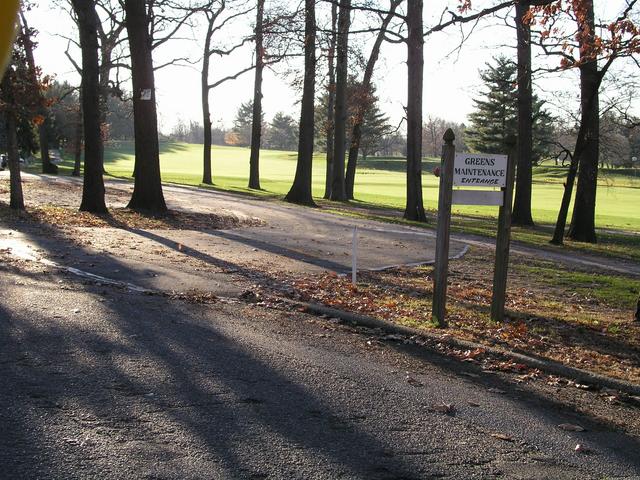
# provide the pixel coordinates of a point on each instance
(479, 170)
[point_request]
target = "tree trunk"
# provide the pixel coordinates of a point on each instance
(147, 190)
(356, 133)
(43, 134)
(584, 208)
(581, 143)
(338, 190)
(331, 101)
(77, 144)
(93, 185)
(522, 204)
(256, 123)
(16, 199)
(206, 114)
(415, 62)
(300, 191)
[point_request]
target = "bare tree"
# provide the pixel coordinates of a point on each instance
(300, 191)
(93, 185)
(599, 44)
(367, 94)
(338, 188)
(256, 124)
(331, 90)
(414, 209)
(43, 129)
(147, 191)
(214, 11)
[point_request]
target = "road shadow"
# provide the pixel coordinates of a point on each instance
(146, 366)
(149, 359)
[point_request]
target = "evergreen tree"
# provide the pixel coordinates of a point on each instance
(496, 114)
(375, 127)
(242, 125)
(282, 133)
(375, 124)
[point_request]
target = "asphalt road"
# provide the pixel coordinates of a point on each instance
(98, 381)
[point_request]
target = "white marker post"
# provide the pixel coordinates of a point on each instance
(354, 256)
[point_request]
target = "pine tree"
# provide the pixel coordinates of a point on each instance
(496, 114)
(242, 124)
(282, 133)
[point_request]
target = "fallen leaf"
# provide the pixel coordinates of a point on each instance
(473, 404)
(412, 381)
(496, 390)
(569, 427)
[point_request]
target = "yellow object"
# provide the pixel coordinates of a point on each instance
(8, 13)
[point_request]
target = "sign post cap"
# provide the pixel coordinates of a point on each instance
(449, 136)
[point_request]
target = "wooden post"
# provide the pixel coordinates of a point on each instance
(444, 224)
(503, 239)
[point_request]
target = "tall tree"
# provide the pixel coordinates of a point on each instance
(93, 185)
(583, 226)
(300, 191)
(43, 129)
(214, 11)
(521, 214)
(599, 44)
(367, 93)
(414, 209)
(256, 124)
(331, 90)
(338, 187)
(147, 190)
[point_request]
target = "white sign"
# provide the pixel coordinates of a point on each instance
(145, 94)
(477, 197)
(479, 170)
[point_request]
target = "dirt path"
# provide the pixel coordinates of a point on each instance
(291, 238)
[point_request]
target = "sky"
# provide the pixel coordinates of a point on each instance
(450, 76)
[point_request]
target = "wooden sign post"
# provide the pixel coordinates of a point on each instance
(444, 227)
(473, 170)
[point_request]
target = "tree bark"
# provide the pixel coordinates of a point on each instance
(147, 190)
(300, 191)
(331, 101)
(77, 144)
(206, 114)
(256, 123)
(338, 188)
(414, 209)
(356, 132)
(584, 208)
(16, 198)
(522, 203)
(581, 144)
(93, 184)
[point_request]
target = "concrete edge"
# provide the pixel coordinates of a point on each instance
(548, 366)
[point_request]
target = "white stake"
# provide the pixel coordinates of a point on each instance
(354, 256)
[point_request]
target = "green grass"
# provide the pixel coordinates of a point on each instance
(380, 182)
(616, 291)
